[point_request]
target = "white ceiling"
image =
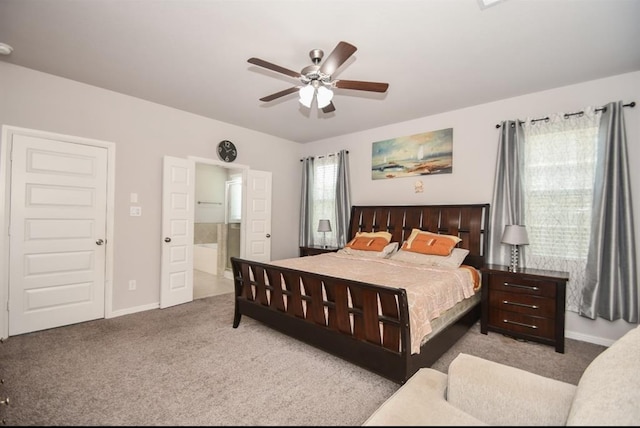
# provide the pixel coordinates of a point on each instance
(436, 55)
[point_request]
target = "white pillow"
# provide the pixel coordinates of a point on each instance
(454, 259)
(386, 252)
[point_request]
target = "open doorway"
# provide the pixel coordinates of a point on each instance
(179, 204)
(217, 228)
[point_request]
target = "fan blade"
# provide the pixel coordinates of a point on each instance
(329, 108)
(340, 54)
(361, 86)
(262, 63)
(280, 94)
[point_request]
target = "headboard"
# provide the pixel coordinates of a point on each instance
(469, 222)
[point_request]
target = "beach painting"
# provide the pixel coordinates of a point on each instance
(421, 154)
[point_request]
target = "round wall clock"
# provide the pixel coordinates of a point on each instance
(227, 151)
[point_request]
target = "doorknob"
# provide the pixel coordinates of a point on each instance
(268, 235)
(99, 242)
(167, 239)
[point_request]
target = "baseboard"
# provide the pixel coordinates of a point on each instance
(587, 338)
(133, 310)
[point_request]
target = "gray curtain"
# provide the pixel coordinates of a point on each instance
(343, 199)
(507, 205)
(611, 285)
(306, 204)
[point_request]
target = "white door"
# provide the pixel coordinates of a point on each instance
(178, 190)
(57, 233)
(258, 212)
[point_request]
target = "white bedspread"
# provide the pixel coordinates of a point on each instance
(430, 290)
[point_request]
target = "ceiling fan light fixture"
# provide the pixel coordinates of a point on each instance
(324, 96)
(306, 95)
(5, 49)
(316, 79)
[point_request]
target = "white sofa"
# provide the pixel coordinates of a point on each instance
(480, 392)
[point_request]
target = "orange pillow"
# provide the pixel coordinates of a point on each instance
(430, 243)
(385, 235)
(368, 243)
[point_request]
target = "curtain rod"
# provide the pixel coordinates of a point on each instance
(568, 115)
(330, 154)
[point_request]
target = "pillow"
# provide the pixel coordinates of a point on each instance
(430, 243)
(386, 252)
(370, 241)
(453, 260)
(385, 235)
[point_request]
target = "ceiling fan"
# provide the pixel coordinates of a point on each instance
(316, 79)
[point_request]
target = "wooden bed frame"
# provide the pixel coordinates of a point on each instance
(326, 322)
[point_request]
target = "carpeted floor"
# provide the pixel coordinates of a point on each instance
(531, 356)
(186, 365)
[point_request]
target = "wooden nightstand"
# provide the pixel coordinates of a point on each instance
(527, 304)
(316, 249)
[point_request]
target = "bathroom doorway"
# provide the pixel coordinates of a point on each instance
(217, 228)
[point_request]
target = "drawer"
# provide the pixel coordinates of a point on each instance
(523, 324)
(517, 284)
(523, 304)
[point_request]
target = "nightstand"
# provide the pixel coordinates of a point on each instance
(316, 249)
(527, 304)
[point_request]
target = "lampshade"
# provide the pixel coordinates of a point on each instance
(306, 95)
(515, 234)
(324, 226)
(324, 96)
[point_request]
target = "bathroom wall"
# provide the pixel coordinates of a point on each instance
(210, 202)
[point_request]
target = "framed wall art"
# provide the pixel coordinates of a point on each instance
(420, 154)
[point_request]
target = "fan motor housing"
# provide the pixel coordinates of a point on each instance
(316, 55)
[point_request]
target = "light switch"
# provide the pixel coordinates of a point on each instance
(133, 198)
(135, 211)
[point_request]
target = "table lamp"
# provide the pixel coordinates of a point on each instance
(324, 226)
(515, 235)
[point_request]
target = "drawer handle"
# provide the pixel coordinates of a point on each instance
(520, 324)
(506, 302)
(527, 287)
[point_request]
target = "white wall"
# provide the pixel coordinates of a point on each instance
(143, 133)
(475, 142)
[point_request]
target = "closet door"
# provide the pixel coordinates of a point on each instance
(57, 234)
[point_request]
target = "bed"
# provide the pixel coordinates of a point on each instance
(365, 322)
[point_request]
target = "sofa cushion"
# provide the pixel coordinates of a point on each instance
(609, 389)
(421, 401)
(502, 395)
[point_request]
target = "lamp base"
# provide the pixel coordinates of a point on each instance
(514, 259)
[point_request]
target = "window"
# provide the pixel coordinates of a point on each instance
(233, 190)
(324, 197)
(559, 173)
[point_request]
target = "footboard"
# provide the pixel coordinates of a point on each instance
(365, 324)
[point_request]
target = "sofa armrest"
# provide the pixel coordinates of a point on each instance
(421, 401)
(502, 395)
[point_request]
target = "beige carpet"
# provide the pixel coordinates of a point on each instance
(531, 356)
(186, 365)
